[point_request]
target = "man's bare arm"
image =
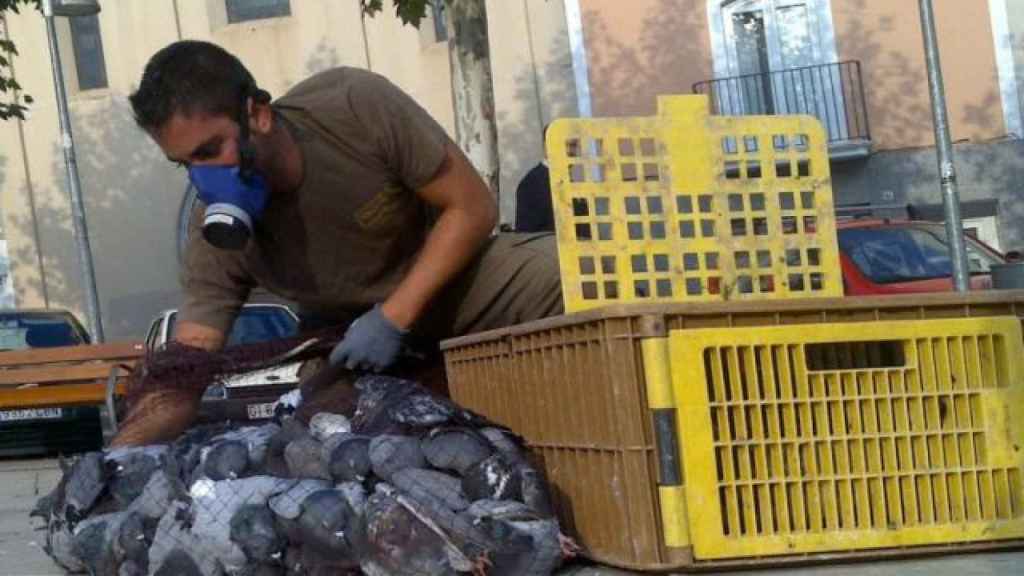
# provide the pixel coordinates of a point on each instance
(468, 215)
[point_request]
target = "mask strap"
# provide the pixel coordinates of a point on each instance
(246, 151)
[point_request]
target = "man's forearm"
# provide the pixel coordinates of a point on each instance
(456, 238)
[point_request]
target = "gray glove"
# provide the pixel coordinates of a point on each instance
(372, 342)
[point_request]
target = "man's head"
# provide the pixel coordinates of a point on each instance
(198, 102)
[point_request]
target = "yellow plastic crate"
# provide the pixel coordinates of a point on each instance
(884, 434)
(766, 432)
(685, 206)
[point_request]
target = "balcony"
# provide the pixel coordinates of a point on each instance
(832, 93)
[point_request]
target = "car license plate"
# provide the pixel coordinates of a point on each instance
(260, 411)
(31, 414)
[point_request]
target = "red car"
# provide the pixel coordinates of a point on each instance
(901, 257)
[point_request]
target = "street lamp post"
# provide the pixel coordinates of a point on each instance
(944, 148)
(72, 8)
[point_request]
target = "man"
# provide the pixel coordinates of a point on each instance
(534, 210)
(343, 196)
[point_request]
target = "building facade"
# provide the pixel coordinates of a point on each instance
(133, 195)
(858, 65)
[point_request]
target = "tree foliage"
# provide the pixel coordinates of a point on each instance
(12, 99)
(409, 11)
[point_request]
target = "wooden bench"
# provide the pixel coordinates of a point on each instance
(67, 376)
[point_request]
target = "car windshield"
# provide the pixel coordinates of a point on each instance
(257, 324)
(23, 331)
(905, 254)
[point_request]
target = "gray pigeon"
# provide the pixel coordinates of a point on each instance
(180, 563)
(389, 454)
(455, 449)
(492, 479)
(533, 485)
(348, 459)
(274, 463)
(255, 438)
(164, 487)
(303, 459)
(214, 506)
(254, 530)
(422, 410)
(103, 543)
(355, 495)
(546, 547)
(177, 550)
(395, 542)
(84, 483)
(130, 469)
(288, 503)
(323, 425)
(431, 486)
(228, 459)
(326, 522)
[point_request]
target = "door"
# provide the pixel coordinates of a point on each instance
(775, 54)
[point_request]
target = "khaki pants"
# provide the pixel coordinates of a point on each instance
(515, 279)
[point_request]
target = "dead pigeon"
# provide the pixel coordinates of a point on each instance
(178, 562)
(85, 481)
(288, 503)
(492, 479)
(389, 454)
(349, 458)
(431, 486)
(455, 449)
(176, 550)
(533, 485)
(544, 550)
(254, 530)
(326, 522)
(303, 459)
(355, 495)
(395, 542)
(274, 463)
(323, 425)
(130, 469)
(214, 506)
(228, 459)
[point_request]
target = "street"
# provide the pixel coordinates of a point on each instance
(22, 482)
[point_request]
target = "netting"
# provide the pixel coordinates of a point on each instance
(404, 483)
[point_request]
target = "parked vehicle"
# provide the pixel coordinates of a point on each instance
(31, 431)
(259, 389)
(901, 257)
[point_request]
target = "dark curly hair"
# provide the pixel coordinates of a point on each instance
(191, 76)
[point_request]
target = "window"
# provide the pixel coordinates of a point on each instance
(437, 11)
(88, 46)
(906, 254)
(244, 10)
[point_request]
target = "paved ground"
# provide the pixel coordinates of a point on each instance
(22, 482)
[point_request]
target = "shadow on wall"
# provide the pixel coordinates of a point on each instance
(670, 56)
(896, 90)
(324, 57)
(538, 100)
(131, 197)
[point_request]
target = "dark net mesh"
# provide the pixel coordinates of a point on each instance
(374, 475)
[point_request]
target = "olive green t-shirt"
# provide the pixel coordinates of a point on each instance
(345, 239)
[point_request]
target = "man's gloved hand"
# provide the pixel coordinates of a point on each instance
(372, 342)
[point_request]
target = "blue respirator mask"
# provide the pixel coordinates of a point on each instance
(235, 196)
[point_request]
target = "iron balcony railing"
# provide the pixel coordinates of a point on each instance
(833, 93)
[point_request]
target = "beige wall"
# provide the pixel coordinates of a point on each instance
(886, 37)
(133, 194)
(642, 48)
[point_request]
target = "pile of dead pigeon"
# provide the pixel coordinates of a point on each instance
(410, 484)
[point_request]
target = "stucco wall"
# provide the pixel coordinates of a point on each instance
(639, 49)
(886, 37)
(132, 193)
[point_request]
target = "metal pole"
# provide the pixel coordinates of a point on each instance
(944, 147)
(81, 231)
